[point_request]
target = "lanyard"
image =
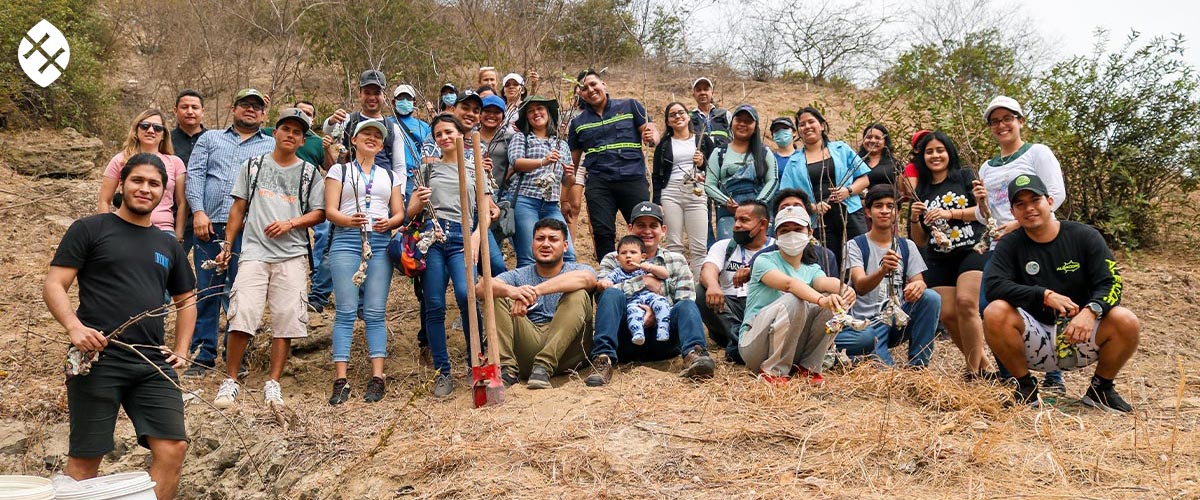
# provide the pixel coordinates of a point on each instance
(369, 186)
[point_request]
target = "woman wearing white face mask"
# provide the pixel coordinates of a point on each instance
(786, 310)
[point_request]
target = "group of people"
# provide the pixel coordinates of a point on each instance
(781, 243)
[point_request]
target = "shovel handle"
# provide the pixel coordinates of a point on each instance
(472, 321)
(484, 206)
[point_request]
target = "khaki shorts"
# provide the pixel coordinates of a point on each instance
(283, 286)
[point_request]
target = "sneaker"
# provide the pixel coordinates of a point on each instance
(272, 393)
(375, 390)
(341, 392)
(638, 339)
(602, 371)
(196, 370)
(226, 394)
(1025, 395)
(813, 378)
(1105, 398)
(1054, 385)
(316, 306)
(776, 380)
(444, 386)
(539, 378)
(508, 375)
(697, 364)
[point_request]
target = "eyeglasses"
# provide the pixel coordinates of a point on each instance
(147, 126)
(251, 105)
(1006, 119)
(673, 114)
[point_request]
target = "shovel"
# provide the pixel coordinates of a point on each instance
(489, 388)
(472, 321)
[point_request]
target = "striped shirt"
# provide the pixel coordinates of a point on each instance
(545, 182)
(678, 286)
(214, 165)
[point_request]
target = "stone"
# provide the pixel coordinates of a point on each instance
(52, 153)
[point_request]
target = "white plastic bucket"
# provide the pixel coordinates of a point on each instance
(26, 488)
(124, 486)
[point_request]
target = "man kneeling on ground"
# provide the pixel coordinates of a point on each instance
(1037, 278)
(124, 266)
(543, 310)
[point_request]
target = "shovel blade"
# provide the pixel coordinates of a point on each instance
(488, 388)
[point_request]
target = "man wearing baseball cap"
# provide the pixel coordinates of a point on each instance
(277, 197)
(371, 98)
(212, 169)
(707, 117)
(613, 341)
(1055, 294)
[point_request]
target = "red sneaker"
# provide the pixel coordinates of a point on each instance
(777, 380)
(813, 378)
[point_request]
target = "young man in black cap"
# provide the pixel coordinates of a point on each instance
(371, 98)
(613, 341)
(1054, 291)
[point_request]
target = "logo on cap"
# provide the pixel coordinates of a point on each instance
(646, 208)
(44, 53)
(1022, 181)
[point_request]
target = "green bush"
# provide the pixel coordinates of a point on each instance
(1124, 126)
(80, 98)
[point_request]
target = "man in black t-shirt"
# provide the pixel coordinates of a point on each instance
(1054, 292)
(124, 266)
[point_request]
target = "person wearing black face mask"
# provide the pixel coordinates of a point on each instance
(726, 271)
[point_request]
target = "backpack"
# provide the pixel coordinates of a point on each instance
(307, 176)
(352, 122)
(404, 250)
(865, 250)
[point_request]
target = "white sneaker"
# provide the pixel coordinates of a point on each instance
(272, 393)
(226, 394)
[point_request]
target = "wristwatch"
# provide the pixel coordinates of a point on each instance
(1096, 309)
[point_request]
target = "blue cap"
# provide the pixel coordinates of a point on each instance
(493, 100)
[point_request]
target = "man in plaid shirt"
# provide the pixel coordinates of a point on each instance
(613, 341)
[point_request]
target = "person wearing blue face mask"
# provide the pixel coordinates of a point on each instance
(415, 129)
(783, 134)
(449, 97)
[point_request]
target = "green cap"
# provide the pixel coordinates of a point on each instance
(245, 93)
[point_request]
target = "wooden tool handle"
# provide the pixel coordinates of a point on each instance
(472, 321)
(489, 307)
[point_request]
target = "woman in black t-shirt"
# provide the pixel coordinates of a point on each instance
(876, 150)
(943, 221)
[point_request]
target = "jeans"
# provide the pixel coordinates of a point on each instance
(529, 211)
(604, 199)
(208, 307)
(724, 223)
(495, 254)
(920, 333)
(613, 338)
(322, 280)
(189, 236)
(724, 325)
(683, 210)
(345, 255)
(444, 265)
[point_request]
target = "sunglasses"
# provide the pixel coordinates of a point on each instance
(251, 105)
(147, 126)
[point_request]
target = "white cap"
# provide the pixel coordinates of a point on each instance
(703, 79)
(512, 76)
(795, 214)
(376, 124)
(404, 88)
(1005, 102)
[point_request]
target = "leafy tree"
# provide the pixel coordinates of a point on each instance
(1123, 124)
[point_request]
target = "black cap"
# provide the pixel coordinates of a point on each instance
(647, 209)
(469, 94)
(783, 120)
(746, 108)
(1025, 182)
(372, 77)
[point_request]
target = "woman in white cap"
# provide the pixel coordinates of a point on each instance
(512, 89)
(788, 302)
(1005, 119)
(444, 260)
(370, 205)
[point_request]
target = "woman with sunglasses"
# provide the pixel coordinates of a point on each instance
(148, 134)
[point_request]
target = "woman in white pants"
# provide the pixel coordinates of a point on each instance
(786, 310)
(678, 181)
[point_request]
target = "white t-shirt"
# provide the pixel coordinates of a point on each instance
(1031, 159)
(375, 204)
(682, 151)
(737, 260)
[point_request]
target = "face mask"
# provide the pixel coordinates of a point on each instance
(742, 238)
(404, 107)
(449, 99)
(793, 243)
(783, 137)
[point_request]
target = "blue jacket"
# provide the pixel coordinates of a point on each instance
(795, 175)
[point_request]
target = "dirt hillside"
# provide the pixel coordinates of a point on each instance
(865, 434)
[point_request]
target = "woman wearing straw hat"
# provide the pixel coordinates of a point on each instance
(540, 162)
